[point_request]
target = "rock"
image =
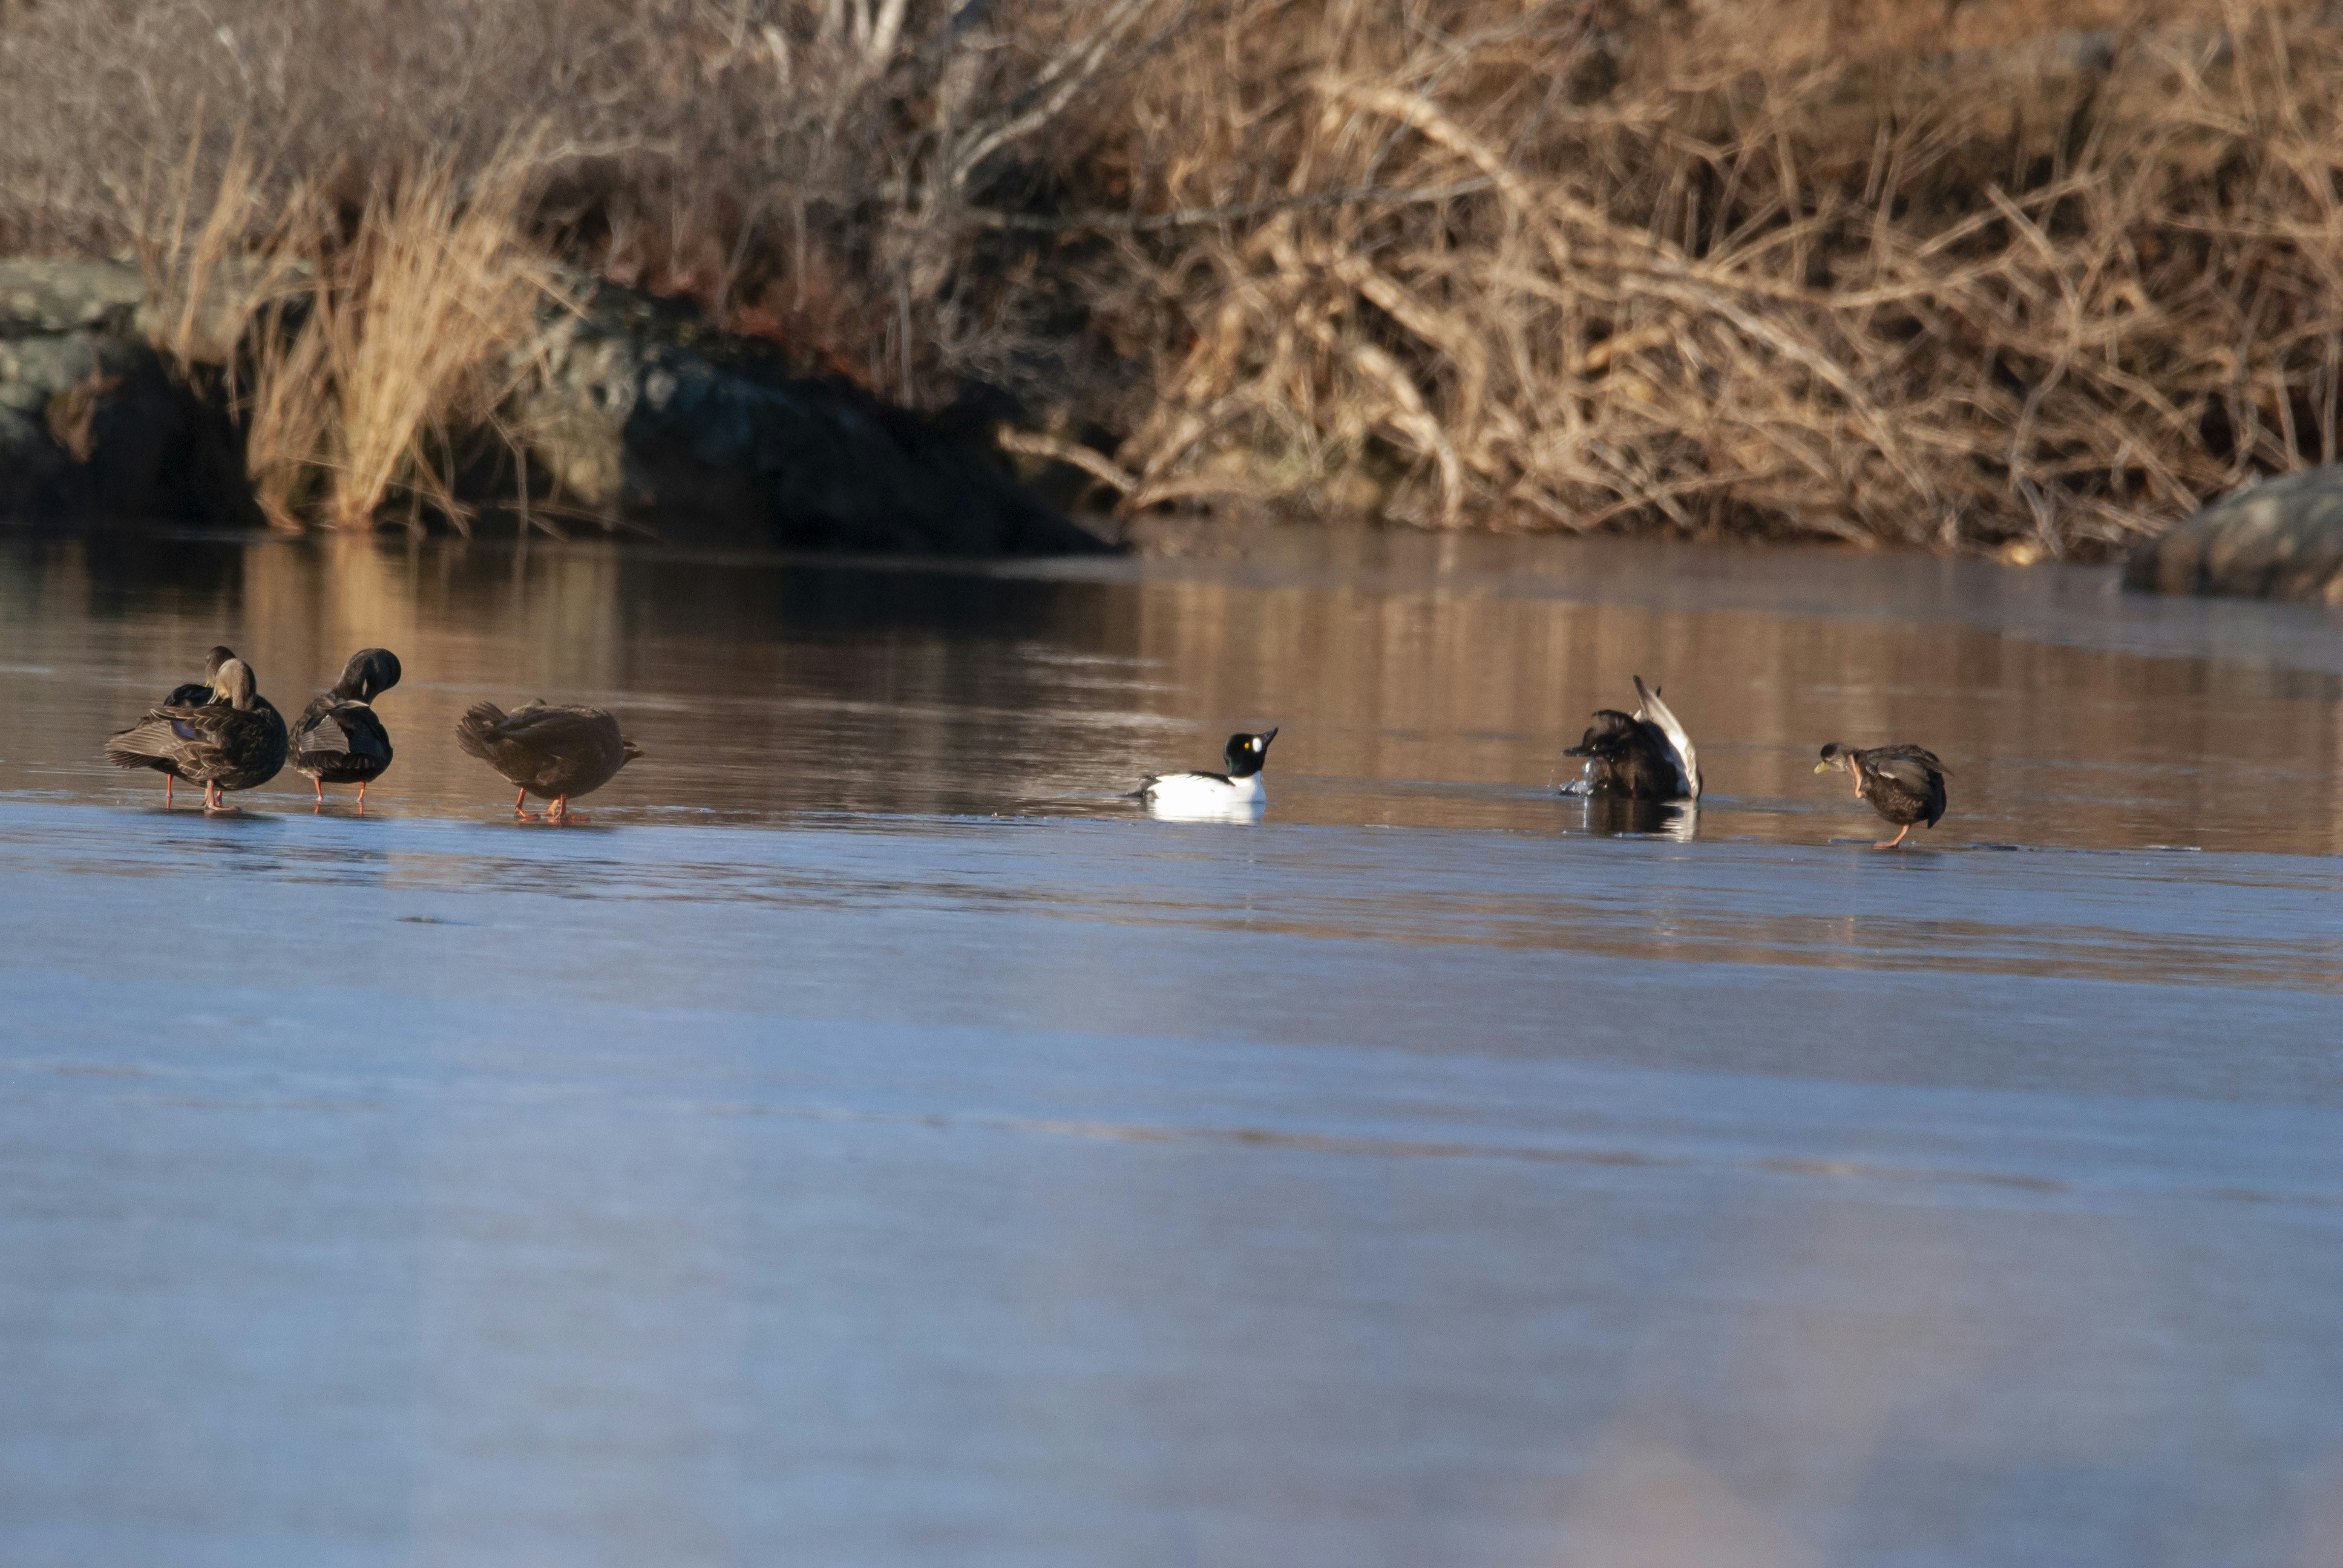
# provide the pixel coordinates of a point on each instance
(637, 410)
(92, 422)
(644, 413)
(2280, 539)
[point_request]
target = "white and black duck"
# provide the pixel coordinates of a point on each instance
(340, 740)
(1905, 784)
(1235, 792)
(1640, 756)
(550, 752)
(237, 743)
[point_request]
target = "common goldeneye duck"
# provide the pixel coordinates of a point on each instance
(1213, 794)
(1641, 756)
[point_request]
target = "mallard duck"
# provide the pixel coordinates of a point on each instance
(1645, 755)
(1212, 794)
(1905, 784)
(340, 739)
(190, 694)
(550, 752)
(238, 744)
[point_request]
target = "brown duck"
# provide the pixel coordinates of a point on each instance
(236, 744)
(190, 694)
(549, 752)
(1905, 784)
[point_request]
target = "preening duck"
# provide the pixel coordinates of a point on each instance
(550, 752)
(1905, 784)
(238, 744)
(1643, 756)
(1238, 790)
(189, 694)
(340, 739)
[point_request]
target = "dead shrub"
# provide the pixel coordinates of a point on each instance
(2003, 274)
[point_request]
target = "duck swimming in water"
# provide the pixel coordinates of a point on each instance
(549, 752)
(236, 744)
(1641, 756)
(190, 694)
(1235, 792)
(340, 739)
(1905, 784)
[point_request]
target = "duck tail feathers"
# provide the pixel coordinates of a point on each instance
(1649, 706)
(143, 745)
(476, 731)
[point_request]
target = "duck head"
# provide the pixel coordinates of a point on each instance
(1246, 753)
(370, 672)
(234, 681)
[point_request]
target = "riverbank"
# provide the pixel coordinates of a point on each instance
(1997, 277)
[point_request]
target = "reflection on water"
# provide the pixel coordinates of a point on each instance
(871, 1140)
(1614, 816)
(1425, 682)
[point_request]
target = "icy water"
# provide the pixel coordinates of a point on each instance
(866, 1140)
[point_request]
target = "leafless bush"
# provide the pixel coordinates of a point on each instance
(1967, 274)
(1556, 265)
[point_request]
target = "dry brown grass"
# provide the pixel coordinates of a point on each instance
(363, 351)
(1736, 275)
(1986, 273)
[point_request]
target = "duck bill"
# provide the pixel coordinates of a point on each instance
(1267, 736)
(1822, 766)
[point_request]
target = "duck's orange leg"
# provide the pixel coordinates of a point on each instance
(1898, 842)
(169, 779)
(519, 810)
(361, 796)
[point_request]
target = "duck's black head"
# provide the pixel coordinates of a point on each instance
(370, 672)
(1610, 731)
(1246, 753)
(1837, 756)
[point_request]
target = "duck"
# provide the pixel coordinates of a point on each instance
(236, 743)
(188, 694)
(551, 752)
(1212, 794)
(195, 693)
(340, 740)
(1905, 784)
(1641, 756)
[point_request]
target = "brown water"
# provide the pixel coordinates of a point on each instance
(868, 1138)
(1420, 682)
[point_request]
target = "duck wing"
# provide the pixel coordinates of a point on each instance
(203, 742)
(1912, 772)
(1686, 760)
(570, 734)
(1920, 754)
(336, 731)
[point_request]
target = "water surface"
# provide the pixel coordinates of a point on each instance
(869, 1139)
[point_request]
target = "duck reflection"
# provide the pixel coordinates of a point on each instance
(1614, 816)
